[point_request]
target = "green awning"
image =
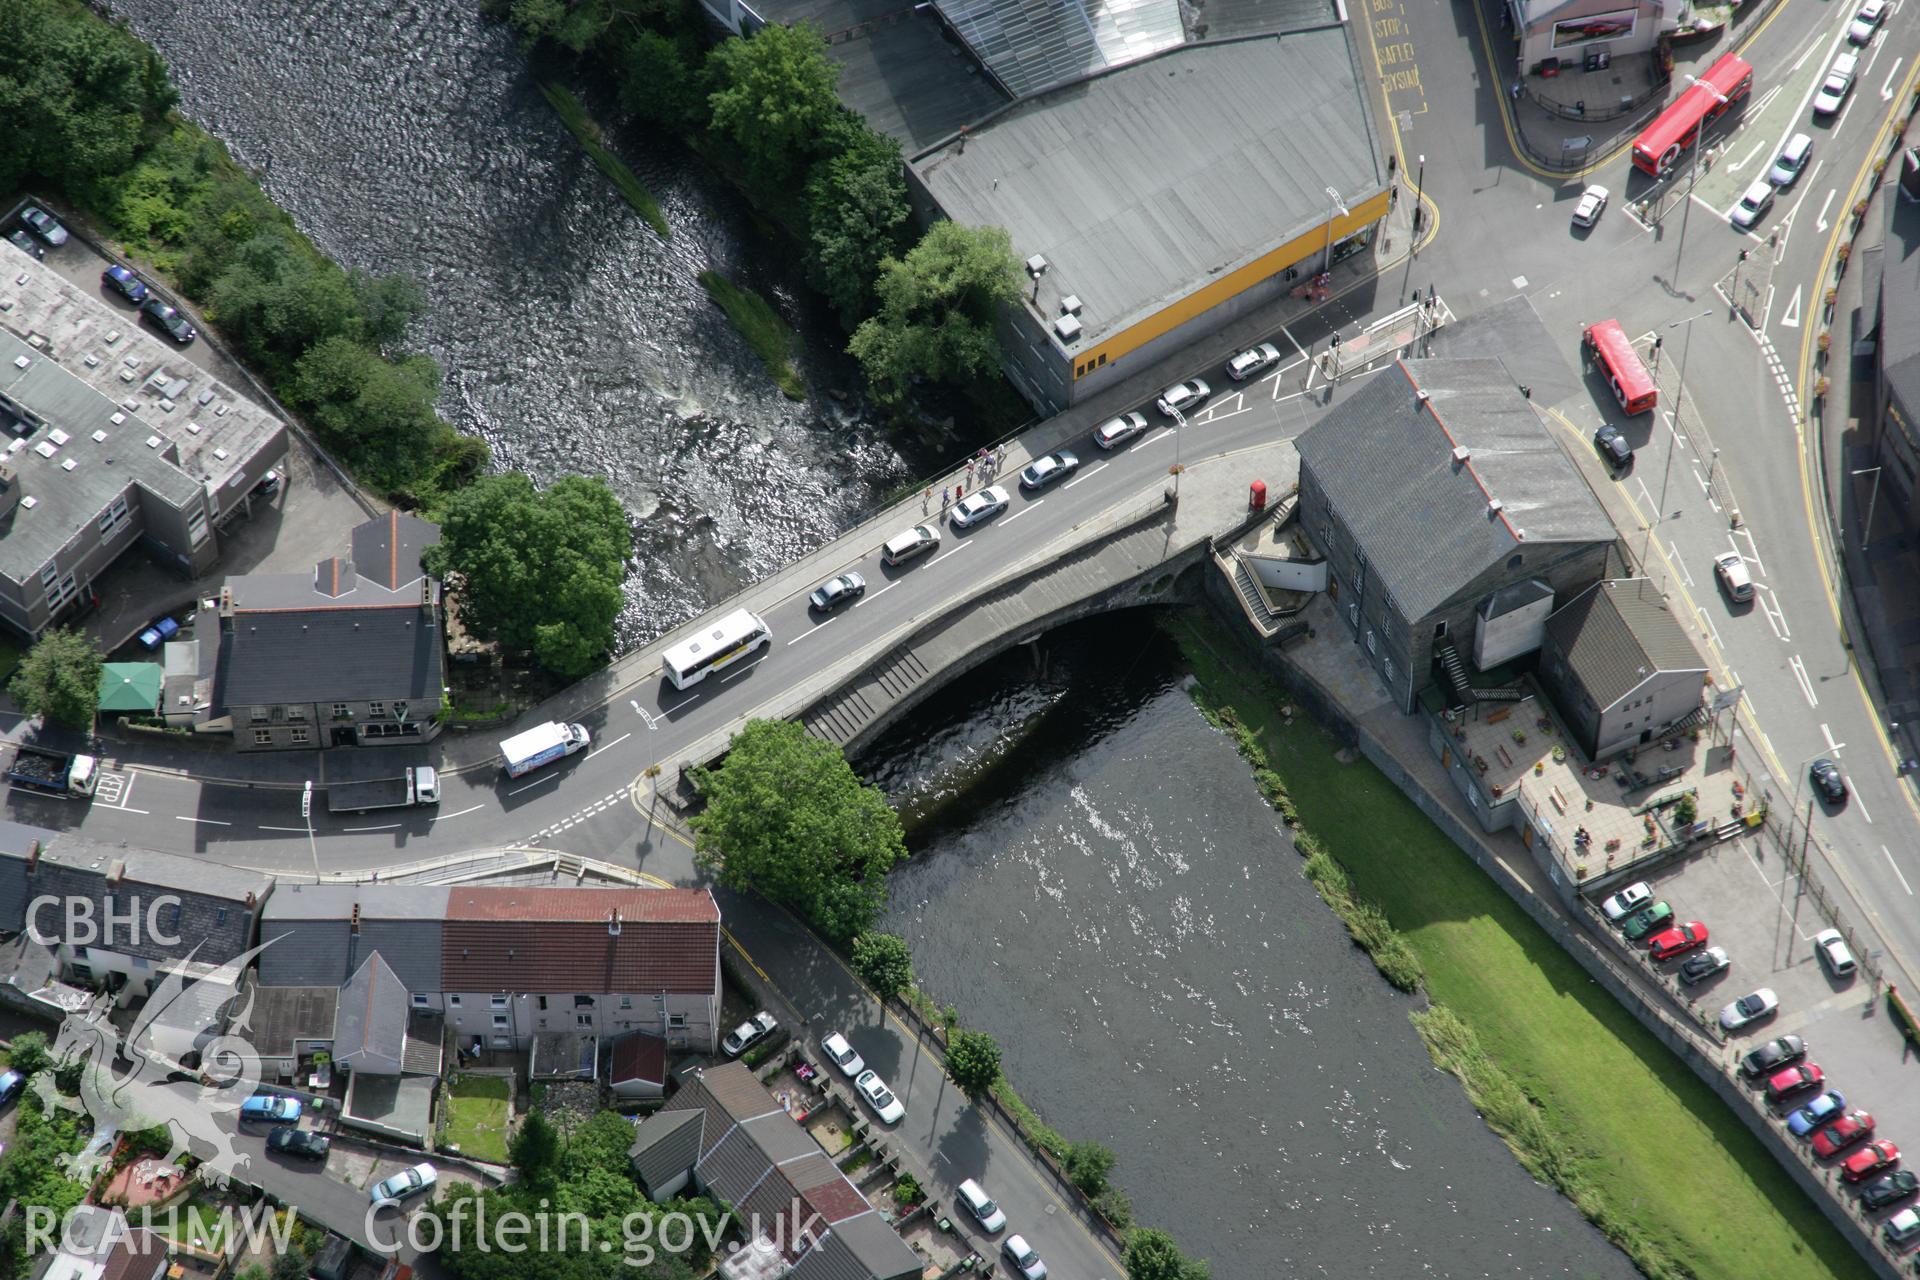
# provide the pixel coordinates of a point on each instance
(130, 686)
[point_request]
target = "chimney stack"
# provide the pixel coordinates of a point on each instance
(116, 873)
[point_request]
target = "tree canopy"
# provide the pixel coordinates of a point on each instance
(773, 100)
(539, 570)
(60, 678)
(937, 308)
(786, 816)
(973, 1060)
(1152, 1255)
(883, 963)
(856, 217)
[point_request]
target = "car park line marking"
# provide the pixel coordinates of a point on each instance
(882, 591)
(956, 547)
(391, 826)
(1167, 434)
(609, 746)
(538, 782)
(1084, 474)
(1707, 624)
(1858, 803)
(1741, 163)
(1835, 747)
(1896, 870)
(299, 831)
(461, 814)
(123, 808)
(207, 822)
(1022, 511)
(1679, 563)
(1776, 617)
(1806, 686)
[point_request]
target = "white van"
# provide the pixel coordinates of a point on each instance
(981, 1205)
(917, 541)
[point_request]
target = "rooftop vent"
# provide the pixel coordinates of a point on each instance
(58, 436)
(153, 442)
(193, 428)
(1495, 506)
(45, 449)
(29, 502)
(1422, 396)
(1461, 453)
(68, 465)
(21, 362)
(99, 437)
(1068, 328)
(1070, 305)
(1037, 265)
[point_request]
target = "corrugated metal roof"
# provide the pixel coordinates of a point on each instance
(1385, 460)
(1617, 634)
(1141, 183)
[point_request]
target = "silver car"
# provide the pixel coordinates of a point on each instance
(1253, 360)
(1042, 472)
(1833, 952)
(1025, 1258)
(1749, 1009)
(982, 505)
(1183, 397)
(1753, 205)
(1593, 202)
(1117, 431)
(836, 591)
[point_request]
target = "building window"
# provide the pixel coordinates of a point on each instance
(83, 973)
(299, 734)
(583, 1019)
(543, 1003)
(498, 1002)
(677, 1020)
(1513, 561)
(341, 711)
(258, 715)
(263, 737)
(220, 916)
(141, 962)
(296, 711)
(626, 1002)
(399, 711)
(453, 1001)
(1370, 645)
(1353, 613)
(197, 527)
(419, 1001)
(583, 1002)
(79, 953)
(378, 710)
(501, 1022)
(1389, 666)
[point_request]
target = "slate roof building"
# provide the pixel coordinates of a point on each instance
(1620, 667)
(725, 1135)
(1895, 433)
(1450, 519)
(101, 1244)
(348, 653)
(1155, 202)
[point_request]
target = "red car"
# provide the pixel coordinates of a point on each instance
(1875, 1157)
(1842, 1133)
(1807, 1075)
(1669, 943)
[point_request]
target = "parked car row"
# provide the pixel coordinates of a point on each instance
(1638, 917)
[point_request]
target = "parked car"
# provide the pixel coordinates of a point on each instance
(27, 244)
(1253, 360)
(978, 506)
(1902, 1228)
(11, 1083)
(404, 1185)
(44, 225)
(1842, 1133)
(168, 321)
(123, 282)
(1892, 1189)
(1772, 1055)
(1749, 1009)
(1115, 432)
(1816, 1113)
(162, 630)
(879, 1097)
(990, 1215)
(1874, 1158)
(268, 486)
(1867, 21)
(269, 1108)
(1613, 447)
(1593, 202)
(1669, 943)
(836, 591)
(746, 1033)
(1833, 953)
(1792, 161)
(1042, 472)
(835, 1046)
(1024, 1258)
(1782, 1084)
(1832, 94)
(1646, 920)
(1730, 571)
(917, 541)
(1828, 780)
(1629, 900)
(1703, 965)
(1753, 205)
(1183, 397)
(304, 1143)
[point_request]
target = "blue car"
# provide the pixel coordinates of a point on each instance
(1816, 1113)
(163, 630)
(266, 1108)
(11, 1083)
(125, 283)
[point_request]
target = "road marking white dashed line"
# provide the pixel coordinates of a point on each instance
(460, 814)
(537, 782)
(1806, 685)
(608, 746)
(1835, 747)
(391, 826)
(1896, 870)
(207, 822)
(1083, 475)
(299, 831)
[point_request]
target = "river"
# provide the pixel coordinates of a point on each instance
(412, 137)
(1098, 884)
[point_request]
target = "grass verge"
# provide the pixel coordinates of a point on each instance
(1587, 1098)
(477, 1117)
(582, 126)
(761, 326)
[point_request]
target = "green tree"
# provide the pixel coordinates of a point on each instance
(378, 413)
(276, 297)
(1152, 1255)
(60, 678)
(539, 570)
(883, 963)
(773, 101)
(856, 217)
(937, 310)
(1088, 1164)
(31, 1053)
(663, 78)
(973, 1060)
(535, 1150)
(387, 305)
(786, 816)
(574, 25)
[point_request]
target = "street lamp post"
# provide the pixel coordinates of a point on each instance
(1339, 209)
(1673, 430)
(1739, 262)
(1180, 423)
(1866, 530)
(1419, 201)
(1699, 145)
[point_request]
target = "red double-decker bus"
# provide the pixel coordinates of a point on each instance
(1661, 143)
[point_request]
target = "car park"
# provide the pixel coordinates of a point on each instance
(1772, 1055)
(989, 1215)
(26, 244)
(1753, 205)
(1593, 202)
(1703, 965)
(1791, 161)
(44, 225)
(1832, 94)
(123, 282)
(168, 321)
(1833, 953)
(1025, 1259)
(1115, 432)
(979, 506)
(1677, 941)
(885, 1105)
(270, 1108)
(738, 1039)
(1784, 1084)
(1042, 472)
(1874, 1158)
(1749, 1009)
(836, 591)
(1892, 1189)
(1902, 1228)
(917, 541)
(1866, 21)
(1827, 780)
(1613, 446)
(836, 1047)
(1820, 1111)
(1252, 361)
(304, 1143)
(402, 1186)
(1730, 571)
(1183, 397)
(1832, 1139)
(1629, 900)
(1646, 920)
